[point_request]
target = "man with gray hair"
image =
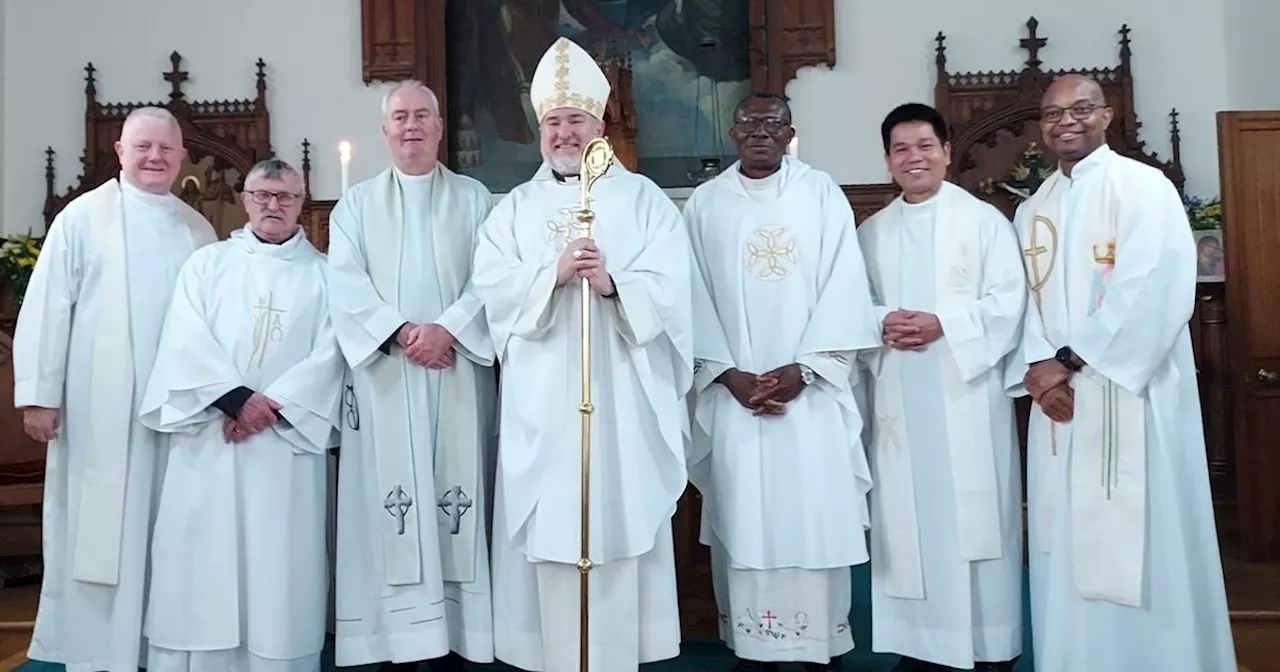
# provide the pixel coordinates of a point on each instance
(247, 382)
(83, 351)
(417, 423)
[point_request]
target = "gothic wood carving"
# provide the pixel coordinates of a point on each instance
(235, 133)
(868, 199)
(620, 114)
(993, 118)
(315, 214)
(787, 35)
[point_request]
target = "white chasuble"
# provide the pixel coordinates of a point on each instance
(784, 497)
(238, 550)
(85, 342)
(412, 569)
(1125, 569)
(946, 529)
(641, 370)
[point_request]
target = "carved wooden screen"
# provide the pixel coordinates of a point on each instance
(993, 118)
(224, 138)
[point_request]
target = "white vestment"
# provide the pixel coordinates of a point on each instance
(412, 566)
(85, 343)
(641, 370)
(1125, 568)
(946, 533)
(784, 497)
(239, 575)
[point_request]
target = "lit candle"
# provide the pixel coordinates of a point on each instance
(344, 154)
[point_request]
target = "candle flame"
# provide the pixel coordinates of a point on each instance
(344, 150)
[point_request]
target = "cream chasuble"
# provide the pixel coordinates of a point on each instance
(85, 343)
(238, 552)
(784, 497)
(1108, 496)
(641, 371)
(416, 442)
(959, 248)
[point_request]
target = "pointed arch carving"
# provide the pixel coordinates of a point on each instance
(235, 133)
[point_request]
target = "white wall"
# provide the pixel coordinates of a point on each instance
(885, 57)
(3, 153)
(1253, 80)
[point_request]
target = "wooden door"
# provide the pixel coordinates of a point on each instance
(1249, 158)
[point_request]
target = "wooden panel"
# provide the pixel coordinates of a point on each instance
(868, 199)
(1248, 144)
(699, 617)
(787, 35)
(388, 39)
(1209, 342)
(315, 221)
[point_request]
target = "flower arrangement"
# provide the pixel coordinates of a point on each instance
(18, 255)
(1204, 215)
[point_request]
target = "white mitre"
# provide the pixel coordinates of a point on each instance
(567, 76)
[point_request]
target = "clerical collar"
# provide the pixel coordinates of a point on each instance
(161, 200)
(767, 182)
(405, 177)
(563, 179)
(1087, 165)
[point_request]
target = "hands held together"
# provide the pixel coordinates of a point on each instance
(257, 414)
(910, 330)
(582, 259)
(767, 393)
(429, 345)
(1046, 382)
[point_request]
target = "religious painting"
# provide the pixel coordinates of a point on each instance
(209, 185)
(689, 65)
(1210, 266)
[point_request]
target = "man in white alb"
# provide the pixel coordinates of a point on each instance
(247, 382)
(778, 454)
(1125, 568)
(417, 424)
(83, 350)
(946, 531)
(528, 270)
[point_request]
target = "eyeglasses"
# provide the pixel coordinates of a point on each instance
(771, 125)
(284, 198)
(1079, 112)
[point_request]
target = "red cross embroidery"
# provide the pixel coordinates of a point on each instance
(768, 616)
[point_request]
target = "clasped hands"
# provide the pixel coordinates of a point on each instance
(1047, 383)
(582, 259)
(257, 414)
(429, 345)
(766, 393)
(910, 330)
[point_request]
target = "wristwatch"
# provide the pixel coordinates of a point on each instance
(1067, 359)
(806, 375)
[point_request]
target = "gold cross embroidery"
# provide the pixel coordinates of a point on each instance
(1035, 249)
(774, 257)
(564, 228)
(267, 327)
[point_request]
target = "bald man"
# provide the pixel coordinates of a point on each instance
(417, 423)
(1125, 569)
(86, 340)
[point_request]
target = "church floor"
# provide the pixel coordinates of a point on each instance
(1256, 630)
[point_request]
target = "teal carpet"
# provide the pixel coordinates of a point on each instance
(713, 657)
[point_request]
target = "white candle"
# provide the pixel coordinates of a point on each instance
(344, 154)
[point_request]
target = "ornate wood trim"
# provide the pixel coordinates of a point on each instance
(987, 109)
(315, 214)
(235, 131)
(868, 199)
(787, 35)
